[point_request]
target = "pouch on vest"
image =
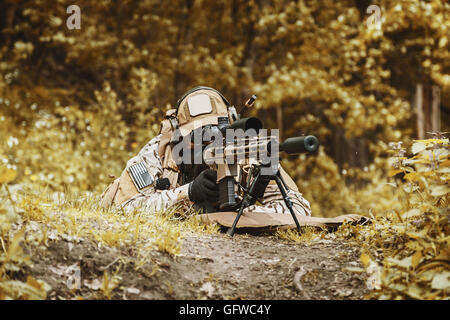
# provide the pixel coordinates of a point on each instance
(166, 131)
(107, 198)
(133, 181)
(170, 168)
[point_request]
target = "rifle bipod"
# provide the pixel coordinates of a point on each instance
(248, 196)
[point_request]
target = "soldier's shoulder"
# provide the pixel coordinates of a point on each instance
(154, 140)
(149, 152)
(151, 145)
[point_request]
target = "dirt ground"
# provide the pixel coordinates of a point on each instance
(208, 267)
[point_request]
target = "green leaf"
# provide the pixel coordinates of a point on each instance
(404, 263)
(441, 281)
(438, 191)
(443, 170)
(418, 147)
(412, 213)
(7, 175)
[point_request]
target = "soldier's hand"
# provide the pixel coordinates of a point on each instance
(204, 187)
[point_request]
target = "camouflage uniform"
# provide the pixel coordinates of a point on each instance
(155, 200)
(135, 188)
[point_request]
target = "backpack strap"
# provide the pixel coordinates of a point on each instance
(168, 126)
(166, 131)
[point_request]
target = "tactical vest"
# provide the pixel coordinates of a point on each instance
(123, 189)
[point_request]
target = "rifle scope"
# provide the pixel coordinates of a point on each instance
(246, 124)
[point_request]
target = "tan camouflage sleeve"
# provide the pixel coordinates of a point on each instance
(153, 200)
(159, 200)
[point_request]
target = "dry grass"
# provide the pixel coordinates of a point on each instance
(42, 218)
(81, 217)
(307, 236)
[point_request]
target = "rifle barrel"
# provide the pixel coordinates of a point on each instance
(296, 145)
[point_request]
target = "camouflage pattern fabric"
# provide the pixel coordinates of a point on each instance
(154, 200)
(273, 202)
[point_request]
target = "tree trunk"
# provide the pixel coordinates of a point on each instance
(427, 110)
(280, 122)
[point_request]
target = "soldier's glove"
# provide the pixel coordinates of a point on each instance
(204, 187)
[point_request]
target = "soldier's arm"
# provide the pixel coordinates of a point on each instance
(159, 200)
(272, 201)
(149, 198)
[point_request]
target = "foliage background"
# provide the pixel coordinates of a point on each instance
(76, 104)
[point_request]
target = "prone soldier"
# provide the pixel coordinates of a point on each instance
(155, 178)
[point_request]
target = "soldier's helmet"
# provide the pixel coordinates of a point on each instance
(201, 106)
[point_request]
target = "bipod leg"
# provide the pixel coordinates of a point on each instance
(287, 200)
(245, 203)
